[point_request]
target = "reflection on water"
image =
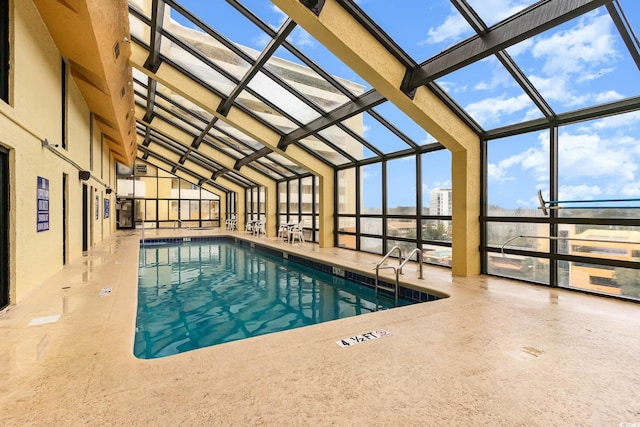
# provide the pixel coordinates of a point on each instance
(201, 294)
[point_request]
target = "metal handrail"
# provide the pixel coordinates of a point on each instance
(389, 254)
(419, 252)
(395, 270)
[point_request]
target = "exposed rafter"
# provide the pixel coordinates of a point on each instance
(363, 103)
(157, 19)
(265, 55)
(251, 157)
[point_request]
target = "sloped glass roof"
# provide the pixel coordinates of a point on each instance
(252, 56)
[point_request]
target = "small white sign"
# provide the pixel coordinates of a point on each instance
(43, 320)
(105, 292)
(357, 339)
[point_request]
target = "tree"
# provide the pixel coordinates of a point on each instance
(629, 281)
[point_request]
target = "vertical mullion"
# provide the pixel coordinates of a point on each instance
(384, 207)
(419, 200)
(358, 210)
(553, 213)
(484, 158)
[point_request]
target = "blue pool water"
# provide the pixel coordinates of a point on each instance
(199, 294)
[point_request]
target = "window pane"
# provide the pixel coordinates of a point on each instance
(439, 255)
(346, 241)
(371, 226)
(598, 160)
(438, 230)
(501, 233)
(150, 210)
(347, 191)
(371, 184)
(517, 168)
(600, 278)
(307, 195)
(518, 267)
(369, 244)
(347, 224)
(436, 177)
(163, 210)
(194, 209)
(294, 206)
(405, 228)
(282, 197)
(166, 188)
(401, 186)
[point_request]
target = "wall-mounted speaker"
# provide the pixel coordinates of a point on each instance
(108, 190)
(84, 175)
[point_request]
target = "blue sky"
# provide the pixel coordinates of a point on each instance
(580, 64)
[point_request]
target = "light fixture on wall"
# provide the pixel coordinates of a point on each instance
(84, 175)
(45, 143)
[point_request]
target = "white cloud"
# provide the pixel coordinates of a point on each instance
(621, 121)
(567, 52)
(593, 156)
(453, 28)
(498, 9)
(301, 38)
(522, 47)
(490, 110)
(608, 96)
(281, 16)
(579, 192)
(456, 27)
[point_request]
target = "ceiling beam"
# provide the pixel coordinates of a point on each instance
(345, 111)
(251, 157)
(265, 55)
(157, 20)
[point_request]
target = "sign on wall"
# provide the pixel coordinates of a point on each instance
(106, 208)
(43, 204)
(97, 207)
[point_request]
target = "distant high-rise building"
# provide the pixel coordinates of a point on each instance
(440, 201)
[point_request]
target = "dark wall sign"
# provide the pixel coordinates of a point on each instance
(43, 204)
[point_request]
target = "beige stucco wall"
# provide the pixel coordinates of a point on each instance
(34, 113)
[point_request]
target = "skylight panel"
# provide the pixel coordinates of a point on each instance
(265, 112)
(579, 64)
(422, 30)
(306, 81)
(404, 123)
(227, 21)
(492, 12)
(282, 98)
(308, 45)
(376, 134)
(139, 29)
(323, 150)
(489, 94)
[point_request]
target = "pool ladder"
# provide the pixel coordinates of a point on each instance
(396, 270)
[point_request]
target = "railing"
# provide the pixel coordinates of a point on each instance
(419, 252)
(395, 270)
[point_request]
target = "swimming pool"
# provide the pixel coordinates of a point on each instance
(196, 294)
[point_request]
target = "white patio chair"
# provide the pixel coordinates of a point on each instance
(296, 232)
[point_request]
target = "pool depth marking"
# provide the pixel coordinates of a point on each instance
(357, 339)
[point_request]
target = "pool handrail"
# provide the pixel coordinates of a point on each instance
(395, 270)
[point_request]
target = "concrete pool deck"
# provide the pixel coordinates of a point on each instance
(496, 352)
